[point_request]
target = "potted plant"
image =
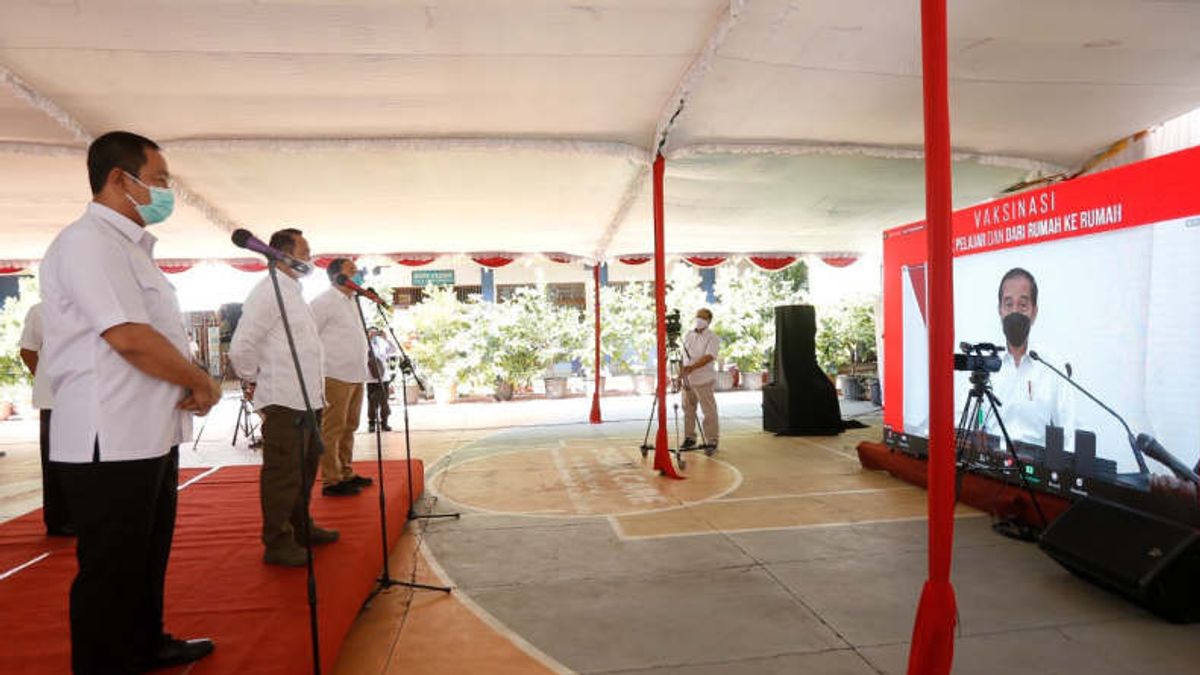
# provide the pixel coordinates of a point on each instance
(627, 333)
(14, 377)
(441, 346)
(845, 343)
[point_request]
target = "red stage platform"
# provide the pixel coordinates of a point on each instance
(986, 494)
(217, 584)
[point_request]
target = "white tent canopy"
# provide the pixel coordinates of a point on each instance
(471, 125)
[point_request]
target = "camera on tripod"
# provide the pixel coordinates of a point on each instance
(674, 329)
(981, 357)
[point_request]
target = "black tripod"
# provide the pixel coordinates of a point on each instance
(310, 433)
(385, 580)
(245, 422)
(971, 429)
(675, 367)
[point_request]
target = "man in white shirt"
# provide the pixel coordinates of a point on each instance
(291, 450)
(345, 344)
(378, 409)
(699, 374)
(1032, 396)
(55, 513)
(124, 391)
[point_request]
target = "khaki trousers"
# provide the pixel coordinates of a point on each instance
(281, 489)
(343, 408)
(702, 394)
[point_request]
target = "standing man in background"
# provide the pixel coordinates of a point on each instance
(341, 330)
(55, 513)
(260, 354)
(699, 373)
(378, 409)
(124, 390)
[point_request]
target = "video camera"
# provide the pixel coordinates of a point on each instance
(674, 329)
(981, 357)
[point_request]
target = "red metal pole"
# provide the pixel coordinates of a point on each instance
(932, 650)
(662, 456)
(595, 416)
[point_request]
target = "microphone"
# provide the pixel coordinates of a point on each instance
(244, 239)
(346, 282)
(1158, 453)
(1137, 451)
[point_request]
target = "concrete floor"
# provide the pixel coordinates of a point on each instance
(778, 555)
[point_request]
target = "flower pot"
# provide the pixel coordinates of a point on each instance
(556, 387)
(724, 380)
(413, 394)
(445, 393)
(504, 390)
(643, 384)
(849, 387)
(7, 409)
(752, 381)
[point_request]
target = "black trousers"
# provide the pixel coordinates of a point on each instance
(125, 521)
(377, 403)
(55, 513)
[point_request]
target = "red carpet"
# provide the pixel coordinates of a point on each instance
(217, 584)
(984, 493)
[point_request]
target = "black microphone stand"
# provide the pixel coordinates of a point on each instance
(309, 434)
(406, 369)
(385, 579)
(1133, 444)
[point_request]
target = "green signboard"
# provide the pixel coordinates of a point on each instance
(433, 278)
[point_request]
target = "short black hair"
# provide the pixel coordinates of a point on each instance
(116, 150)
(1013, 274)
(335, 267)
(285, 239)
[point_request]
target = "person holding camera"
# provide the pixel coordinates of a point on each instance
(699, 374)
(380, 384)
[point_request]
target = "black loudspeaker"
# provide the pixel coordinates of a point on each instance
(1152, 561)
(799, 400)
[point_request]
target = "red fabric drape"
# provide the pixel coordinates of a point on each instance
(932, 650)
(839, 260)
(323, 261)
(705, 260)
(594, 418)
(562, 258)
(410, 260)
(662, 457)
(772, 263)
(11, 269)
(635, 259)
(493, 261)
(248, 264)
(175, 266)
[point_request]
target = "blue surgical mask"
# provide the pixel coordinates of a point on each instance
(162, 203)
(358, 278)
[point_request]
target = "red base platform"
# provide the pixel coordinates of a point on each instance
(217, 584)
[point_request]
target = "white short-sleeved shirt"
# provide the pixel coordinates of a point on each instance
(1032, 397)
(100, 273)
(259, 349)
(695, 346)
(342, 336)
(31, 339)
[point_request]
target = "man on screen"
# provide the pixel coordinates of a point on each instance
(1032, 396)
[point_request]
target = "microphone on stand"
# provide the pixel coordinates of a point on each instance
(1158, 453)
(1137, 450)
(244, 239)
(346, 282)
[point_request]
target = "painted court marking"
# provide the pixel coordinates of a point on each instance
(24, 565)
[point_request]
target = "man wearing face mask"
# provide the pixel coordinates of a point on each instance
(260, 354)
(115, 353)
(341, 331)
(1032, 396)
(699, 374)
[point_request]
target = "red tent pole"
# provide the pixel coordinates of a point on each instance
(932, 650)
(662, 456)
(595, 416)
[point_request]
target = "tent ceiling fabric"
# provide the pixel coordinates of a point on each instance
(223, 82)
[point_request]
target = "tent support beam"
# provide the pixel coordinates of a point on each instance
(932, 650)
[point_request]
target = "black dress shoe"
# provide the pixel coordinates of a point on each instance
(688, 444)
(343, 489)
(360, 481)
(174, 652)
(385, 427)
